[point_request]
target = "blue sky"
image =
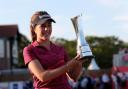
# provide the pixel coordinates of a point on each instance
(100, 17)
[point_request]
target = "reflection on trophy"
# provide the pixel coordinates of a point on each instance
(82, 46)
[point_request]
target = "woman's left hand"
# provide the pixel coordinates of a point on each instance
(81, 60)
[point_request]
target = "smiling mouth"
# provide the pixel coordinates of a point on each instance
(45, 35)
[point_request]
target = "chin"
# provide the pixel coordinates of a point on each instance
(46, 39)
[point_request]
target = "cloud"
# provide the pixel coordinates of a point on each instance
(125, 27)
(110, 3)
(122, 21)
(87, 17)
(59, 17)
(122, 18)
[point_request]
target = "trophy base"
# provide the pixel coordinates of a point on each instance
(87, 57)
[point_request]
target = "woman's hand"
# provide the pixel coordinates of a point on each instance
(76, 61)
(81, 60)
(75, 67)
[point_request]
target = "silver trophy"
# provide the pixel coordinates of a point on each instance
(82, 46)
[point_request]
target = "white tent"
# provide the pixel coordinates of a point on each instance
(93, 65)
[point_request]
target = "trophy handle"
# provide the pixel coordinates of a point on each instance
(74, 22)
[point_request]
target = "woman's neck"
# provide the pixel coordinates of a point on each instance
(45, 44)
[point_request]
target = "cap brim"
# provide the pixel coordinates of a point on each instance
(42, 21)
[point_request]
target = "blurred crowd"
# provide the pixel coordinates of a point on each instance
(115, 80)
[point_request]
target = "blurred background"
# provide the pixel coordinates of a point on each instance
(105, 26)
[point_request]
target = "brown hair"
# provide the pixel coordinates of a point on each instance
(33, 34)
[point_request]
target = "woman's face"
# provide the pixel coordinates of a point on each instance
(43, 32)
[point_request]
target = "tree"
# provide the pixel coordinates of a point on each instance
(70, 46)
(22, 42)
(104, 47)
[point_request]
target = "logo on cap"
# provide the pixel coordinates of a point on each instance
(41, 17)
(44, 16)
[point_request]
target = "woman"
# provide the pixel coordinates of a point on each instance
(48, 63)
